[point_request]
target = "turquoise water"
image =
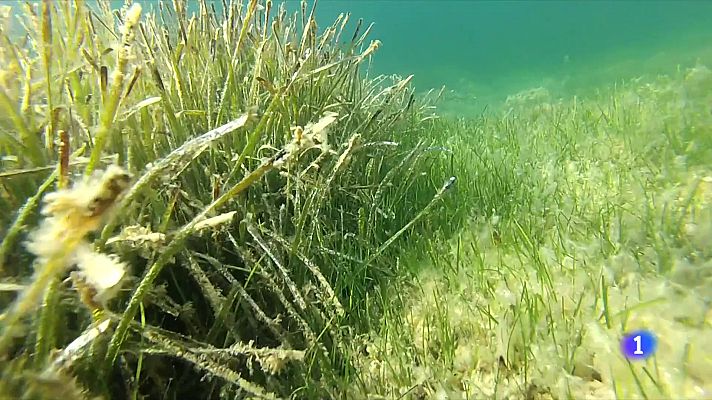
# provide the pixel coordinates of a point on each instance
(488, 49)
(494, 38)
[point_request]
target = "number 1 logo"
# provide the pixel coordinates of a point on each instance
(639, 345)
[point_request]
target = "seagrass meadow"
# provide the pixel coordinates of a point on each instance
(223, 200)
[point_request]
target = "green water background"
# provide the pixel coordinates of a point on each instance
(486, 50)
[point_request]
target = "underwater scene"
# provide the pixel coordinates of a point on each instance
(376, 199)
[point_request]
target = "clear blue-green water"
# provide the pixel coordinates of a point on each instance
(485, 50)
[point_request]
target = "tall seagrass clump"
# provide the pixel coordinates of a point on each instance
(197, 203)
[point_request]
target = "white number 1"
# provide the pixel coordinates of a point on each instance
(637, 341)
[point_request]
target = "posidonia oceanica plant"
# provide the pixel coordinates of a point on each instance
(200, 198)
